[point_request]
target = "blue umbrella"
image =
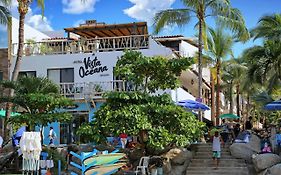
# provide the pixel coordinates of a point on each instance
(273, 106)
(193, 105)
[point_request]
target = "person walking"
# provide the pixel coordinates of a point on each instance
(217, 141)
(248, 124)
(1, 143)
(123, 139)
(52, 136)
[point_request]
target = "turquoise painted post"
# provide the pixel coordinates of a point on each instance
(59, 167)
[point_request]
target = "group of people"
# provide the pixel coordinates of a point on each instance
(227, 132)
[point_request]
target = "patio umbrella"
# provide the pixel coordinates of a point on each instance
(3, 113)
(273, 106)
(229, 116)
(193, 105)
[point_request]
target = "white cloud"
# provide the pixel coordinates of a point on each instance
(42, 24)
(78, 7)
(144, 10)
(34, 20)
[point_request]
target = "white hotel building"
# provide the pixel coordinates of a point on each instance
(82, 63)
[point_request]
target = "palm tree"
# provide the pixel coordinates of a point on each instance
(219, 47)
(265, 64)
(221, 10)
(23, 6)
(4, 11)
(269, 27)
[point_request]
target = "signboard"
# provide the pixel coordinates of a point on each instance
(91, 65)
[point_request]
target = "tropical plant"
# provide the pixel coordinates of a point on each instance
(221, 10)
(264, 64)
(234, 74)
(269, 27)
(219, 48)
(134, 112)
(4, 11)
(139, 111)
(40, 100)
(23, 6)
(150, 73)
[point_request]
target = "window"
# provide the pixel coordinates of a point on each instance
(65, 75)
(27, 73)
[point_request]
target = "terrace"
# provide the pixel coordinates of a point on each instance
(91, 37)
(91, 90)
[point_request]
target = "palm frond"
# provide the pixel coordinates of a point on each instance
(233, 19)
(41, 5)
(168, 17)
(4, 15)
(269, 27)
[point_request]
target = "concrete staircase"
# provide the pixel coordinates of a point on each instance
(202, 163)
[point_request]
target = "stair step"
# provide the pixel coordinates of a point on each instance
(211, 156)
(223, 163)
(218, 172)
(210, 153)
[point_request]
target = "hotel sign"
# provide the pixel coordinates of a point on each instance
(91, 67)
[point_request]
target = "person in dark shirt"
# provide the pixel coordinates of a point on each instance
(236, 130)
(248, 124)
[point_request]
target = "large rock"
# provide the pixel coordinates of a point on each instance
(176, 161)
(246, 150)
(274, 170)
(264, 161)
(242, 151)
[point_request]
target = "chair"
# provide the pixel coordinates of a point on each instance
(143, 166)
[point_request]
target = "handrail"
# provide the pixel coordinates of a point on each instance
(91, 89)
(83, 45)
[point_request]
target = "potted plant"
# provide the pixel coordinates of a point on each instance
(45, 49)
(98, 89)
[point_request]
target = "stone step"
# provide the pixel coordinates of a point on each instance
(209, 148)
(219, 171)
(223, 163)
(210, 153)
(223, 156)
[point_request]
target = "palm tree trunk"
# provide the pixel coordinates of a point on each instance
(238, 100)
(16, 70)
(218, 93)
(200, 48)
(231, 99)
(212, 99)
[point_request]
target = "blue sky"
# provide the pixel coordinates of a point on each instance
(60, 14)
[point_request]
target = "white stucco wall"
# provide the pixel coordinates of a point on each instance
(41, 63)
(186, 49)
(29, 32)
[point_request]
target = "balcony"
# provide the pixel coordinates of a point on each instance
(91, 90)
(65, 46)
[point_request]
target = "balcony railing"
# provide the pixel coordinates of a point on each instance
(90, 90)
(49, 47)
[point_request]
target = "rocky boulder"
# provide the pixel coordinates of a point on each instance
(246, 150)
(264, 161)
(274, 170)
(176, 161)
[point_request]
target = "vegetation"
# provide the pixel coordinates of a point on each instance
(4, 11)
(219, 47)
(139, 111)
(151, 73)
(39, 98)
(223, 13)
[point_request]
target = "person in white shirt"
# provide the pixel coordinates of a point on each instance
(1, 143)
(52, 135)
(217, 141)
